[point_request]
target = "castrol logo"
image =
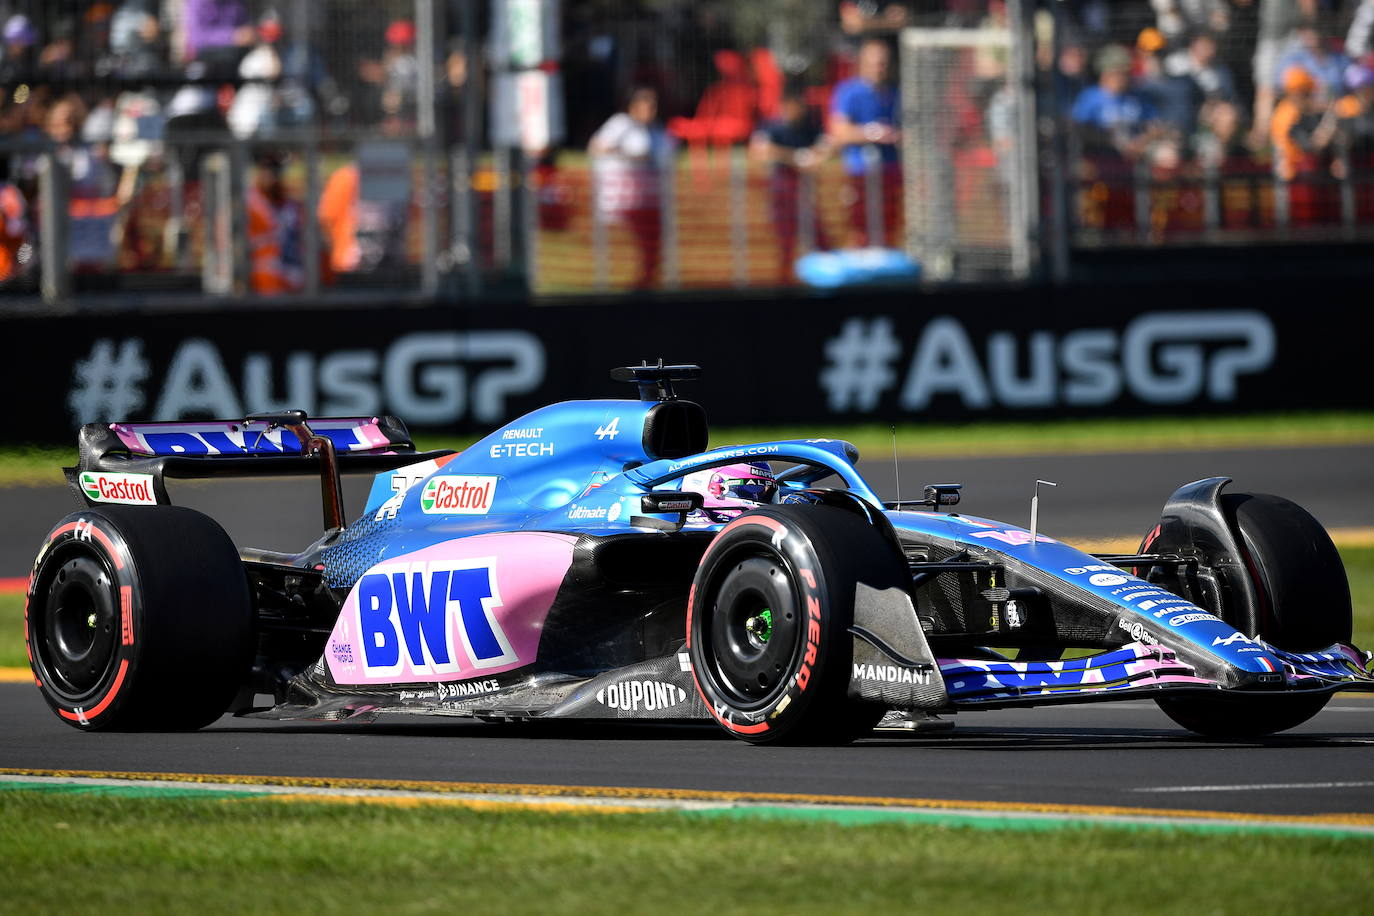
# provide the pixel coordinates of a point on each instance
(129, 489)
(458, 495)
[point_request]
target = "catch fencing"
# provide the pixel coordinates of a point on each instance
(438, 150)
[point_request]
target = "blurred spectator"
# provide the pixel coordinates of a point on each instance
(1357, 39)
(215, 34)
(862, 21)
(14, 226)
(1355, 112)
(19, 57)
(1193, 76)
(863, 122)
(274, 232)
(1115, 117)
(1310, 50)
(254, 108)
(137, 45)
(725, 113)
(338, 214)
(1277, 20)
(281, 76)
(1177, 18)
(397, 75)
(1220, 140)
(793, 145)
(629, 152)
(1302, 132)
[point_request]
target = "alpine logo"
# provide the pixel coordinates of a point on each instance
(127, 489)
(458, 495)
(892, 674)
(633, 696)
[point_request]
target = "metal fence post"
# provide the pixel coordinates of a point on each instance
(238, 216)
(1347, 193)
(54, 190)
(667, 184)
(601, 266)
(1140, 175)
(529, 219)
(462, 248)
(1025, 195)
(311, 230)
(501, 210)
(426, 29)
(217, 260)
(1211, 195)
(873, 195)
(806, 213)
(1282, 203)
(175, 235)
(739, 230)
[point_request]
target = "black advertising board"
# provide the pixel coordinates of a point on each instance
(864, 357)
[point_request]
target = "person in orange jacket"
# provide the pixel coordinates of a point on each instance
(274, 233)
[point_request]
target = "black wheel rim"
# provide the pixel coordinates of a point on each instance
(756, 629)
(80, 627)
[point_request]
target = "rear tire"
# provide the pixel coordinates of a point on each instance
(1304, 604)
(798, 566)
(139, 618)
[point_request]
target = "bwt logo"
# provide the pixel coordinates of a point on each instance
(432, 377)
(1159, 358)
(420, 614)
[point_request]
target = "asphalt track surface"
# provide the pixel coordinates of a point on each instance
(1099, 495)
(1114, 754)
(1124, 754)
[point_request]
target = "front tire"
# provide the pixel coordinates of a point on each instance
(138, 618)
(1304, 604)
(768, 622)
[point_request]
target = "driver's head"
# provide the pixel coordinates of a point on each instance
(732, 489)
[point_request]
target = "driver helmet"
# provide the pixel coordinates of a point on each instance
(732, 489)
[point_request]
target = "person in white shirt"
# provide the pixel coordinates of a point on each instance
(629, 153)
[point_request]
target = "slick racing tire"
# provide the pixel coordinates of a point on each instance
(1304, 604)
(768, 621)
(139, 619)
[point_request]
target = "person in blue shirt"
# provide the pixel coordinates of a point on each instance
(1308, 49)
(1115, 116)
(863, 116)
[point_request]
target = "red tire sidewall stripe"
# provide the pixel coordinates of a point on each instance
(812, 599)
(127, 620)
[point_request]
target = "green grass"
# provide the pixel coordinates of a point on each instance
(77, 853)
(1359, 567)
(40, 465)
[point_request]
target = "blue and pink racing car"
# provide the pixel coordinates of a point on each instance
(593, 560)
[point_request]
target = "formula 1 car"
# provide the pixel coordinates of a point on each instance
(592, 560)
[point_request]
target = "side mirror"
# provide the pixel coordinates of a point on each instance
(942, 494)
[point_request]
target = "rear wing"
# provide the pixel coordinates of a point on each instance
(129, 462)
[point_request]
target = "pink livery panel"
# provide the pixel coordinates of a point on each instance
(466, 608)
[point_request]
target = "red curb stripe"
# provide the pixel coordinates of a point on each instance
(14, 585)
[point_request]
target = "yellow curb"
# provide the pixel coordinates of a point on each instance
(628, 792)
(16, 676)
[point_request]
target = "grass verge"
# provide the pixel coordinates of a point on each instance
(217, 855)
(1359, 567)
(36, 466)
